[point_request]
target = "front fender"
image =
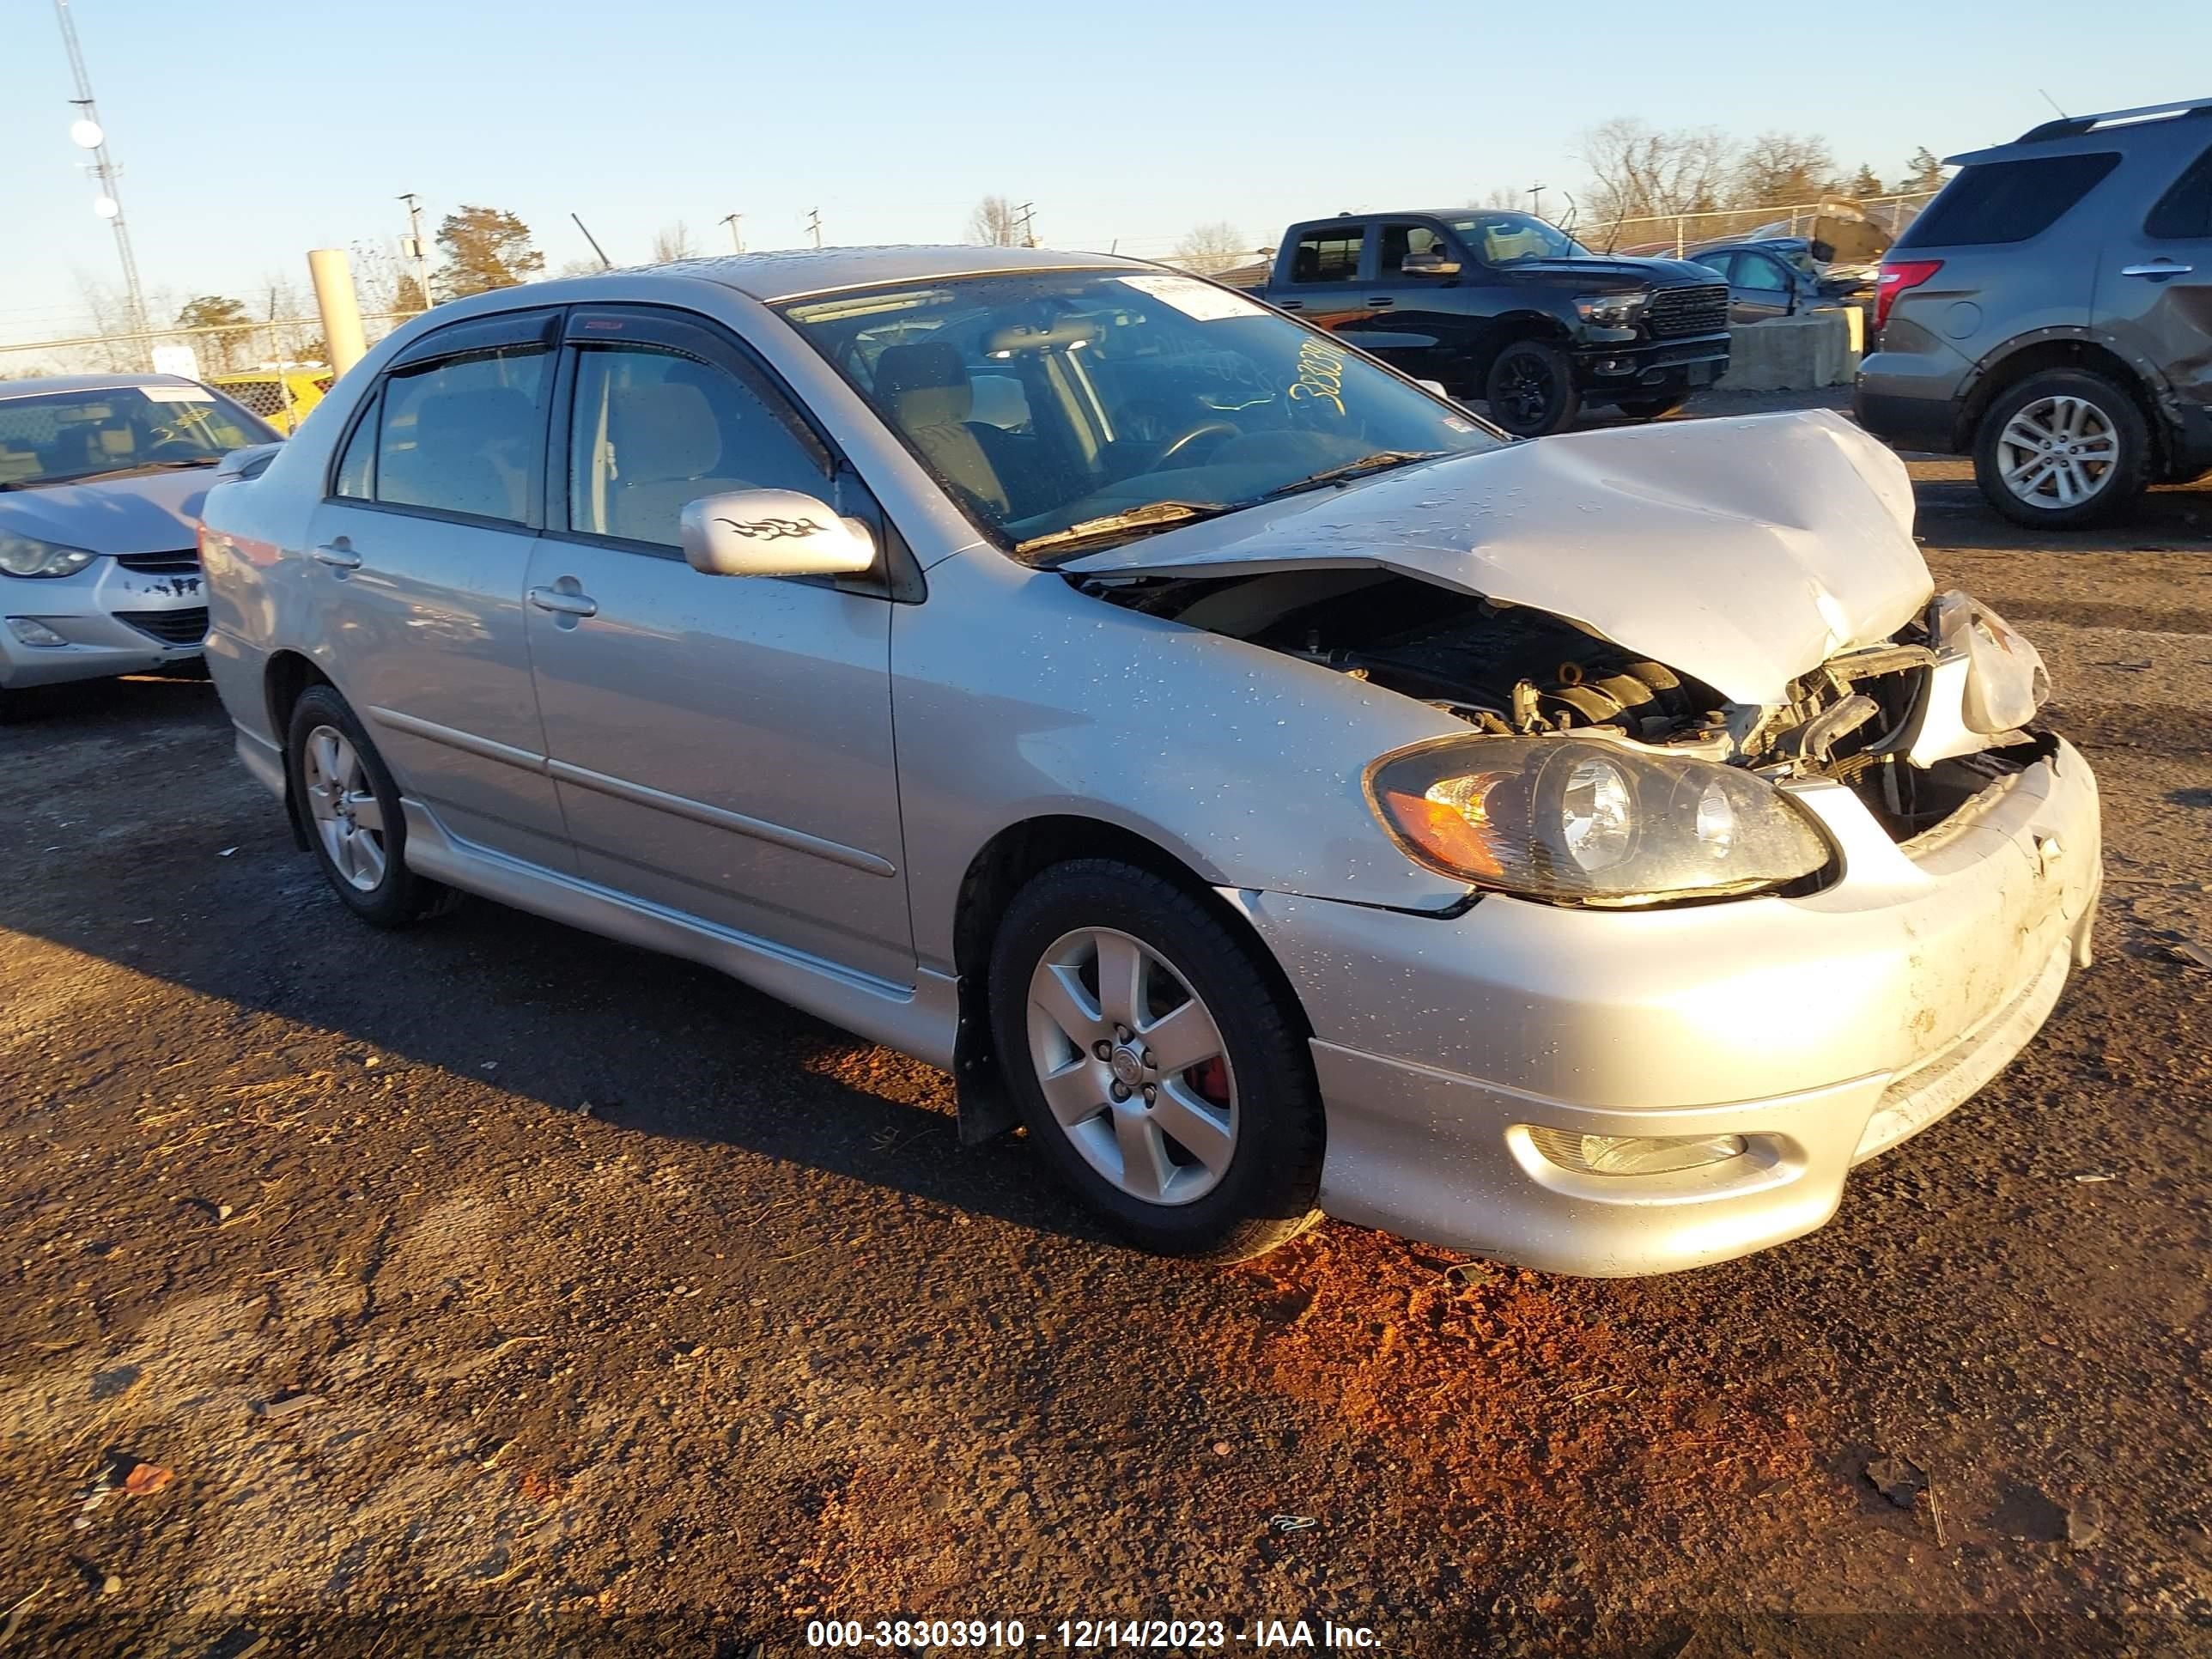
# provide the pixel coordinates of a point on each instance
(1017, 696)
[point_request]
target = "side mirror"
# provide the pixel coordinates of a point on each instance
(773, 533)
(1428, 264)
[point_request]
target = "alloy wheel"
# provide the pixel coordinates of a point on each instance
(349, 819)
(1133, 1065)
(2057, 451)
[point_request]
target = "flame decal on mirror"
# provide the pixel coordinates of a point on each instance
(773, 530)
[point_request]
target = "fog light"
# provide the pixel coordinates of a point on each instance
(1634, 1155)
(33, 633)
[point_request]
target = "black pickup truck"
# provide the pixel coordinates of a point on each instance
(1503, 306)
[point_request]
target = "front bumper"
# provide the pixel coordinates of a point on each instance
(110, 620)
(1820, 1030)
(1633, 369)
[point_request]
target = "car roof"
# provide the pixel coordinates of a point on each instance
(792, 272)
(46, 383)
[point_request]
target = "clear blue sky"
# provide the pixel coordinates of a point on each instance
(251, 132)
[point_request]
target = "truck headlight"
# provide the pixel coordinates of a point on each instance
(27, 555)
(1570, 820)
(1612, 310)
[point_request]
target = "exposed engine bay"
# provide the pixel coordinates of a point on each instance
(1916, 726)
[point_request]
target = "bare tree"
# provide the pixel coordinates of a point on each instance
(1784, 169)
(1637, 171)
(673, 242)
(1215, 246)
(1501, 195)
(996, 222)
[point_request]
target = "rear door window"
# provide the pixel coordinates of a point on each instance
(1328, 256)
(2184, 212)
(464, 433)
(2007, 201)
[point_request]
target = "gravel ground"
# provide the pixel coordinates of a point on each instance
(488, 1288)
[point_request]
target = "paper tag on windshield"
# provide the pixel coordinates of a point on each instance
(177, 394)
(1201, 301)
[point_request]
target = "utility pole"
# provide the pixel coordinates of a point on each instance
(736, 237)
(88, 134)
(1535, 195)
(814, 224)
(413, 247)
(1028, 212)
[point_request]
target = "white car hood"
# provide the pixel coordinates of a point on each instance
(1744, 552)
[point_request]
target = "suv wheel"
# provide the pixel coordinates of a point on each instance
(2062, 448)
(1153, 1064)
(1531, 389)
(349, 807)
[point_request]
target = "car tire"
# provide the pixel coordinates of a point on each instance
(1530, 389)
(1653, 409)
(349, 812)
(1246, 1178)
(2057, 404)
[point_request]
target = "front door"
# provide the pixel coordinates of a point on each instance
(1419, 324)
(721, 745)
(2154, 287)
(420, 554)
(1759, 288)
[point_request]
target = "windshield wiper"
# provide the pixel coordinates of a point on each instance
(1154, 515)
(1381, 461)
(108, 472)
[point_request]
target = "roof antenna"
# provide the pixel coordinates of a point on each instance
(2053, 102)
(605, 264)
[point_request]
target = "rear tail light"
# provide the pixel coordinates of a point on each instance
(1897, 275)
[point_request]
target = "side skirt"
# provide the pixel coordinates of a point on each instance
(921, 1019)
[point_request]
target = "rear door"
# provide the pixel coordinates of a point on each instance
(1324, 284)
(721, 745)
(419, 552)
(2154, 284)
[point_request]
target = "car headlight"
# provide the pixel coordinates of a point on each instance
(1612, 310)
(1568, 819)
(27, 555)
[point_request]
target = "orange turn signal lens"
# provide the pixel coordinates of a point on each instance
(1449, 821)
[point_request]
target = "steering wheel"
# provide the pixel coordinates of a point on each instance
(1176, 446)
(173, 448)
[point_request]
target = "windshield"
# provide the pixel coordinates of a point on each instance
(1051, 405)
(1512, 239)
(61, 437)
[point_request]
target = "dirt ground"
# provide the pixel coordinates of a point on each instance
(488, 1289)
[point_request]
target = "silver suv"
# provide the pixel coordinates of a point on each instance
(2050, 314)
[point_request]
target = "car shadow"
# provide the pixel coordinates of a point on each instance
(134, 836)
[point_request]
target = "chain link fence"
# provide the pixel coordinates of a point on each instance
(224, 349)
(297, 342)
(1670, 233)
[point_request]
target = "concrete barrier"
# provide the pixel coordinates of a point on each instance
(1793, 354)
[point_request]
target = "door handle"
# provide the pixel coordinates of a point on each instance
(564, 604)
(1289, 305)
(1382, 302)
(337, 556)
(2162, 268)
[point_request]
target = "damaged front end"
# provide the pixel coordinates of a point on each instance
(1644, 785)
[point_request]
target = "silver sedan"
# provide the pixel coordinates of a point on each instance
(1244, 770)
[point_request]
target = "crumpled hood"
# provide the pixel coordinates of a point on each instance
(151, 513)
(1744, 552)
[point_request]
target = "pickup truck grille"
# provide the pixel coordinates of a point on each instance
(1678, 311)
(170, 627)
